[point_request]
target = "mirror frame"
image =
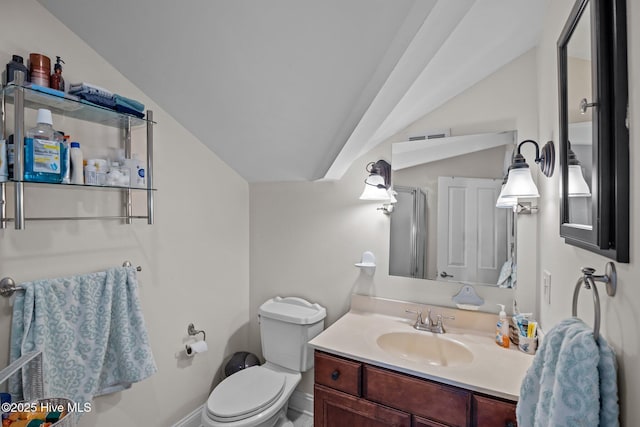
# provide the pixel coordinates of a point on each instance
(609, 234)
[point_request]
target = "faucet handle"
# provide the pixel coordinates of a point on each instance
(440, 325)
(419, 320)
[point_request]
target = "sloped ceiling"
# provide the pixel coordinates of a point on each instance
(289, 90)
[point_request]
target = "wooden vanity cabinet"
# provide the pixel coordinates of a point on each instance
(350, 393)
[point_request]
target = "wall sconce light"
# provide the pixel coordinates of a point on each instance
(377, 184)
(578, 187)
(519, 182)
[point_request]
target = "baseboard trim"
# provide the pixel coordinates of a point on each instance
(191, 420)
(301, 402)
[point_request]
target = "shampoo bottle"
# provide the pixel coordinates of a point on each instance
(502, 328)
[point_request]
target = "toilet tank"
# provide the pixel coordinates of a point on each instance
(286, 326)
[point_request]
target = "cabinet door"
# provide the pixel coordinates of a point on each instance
(336, 409)
(494, 413)
(445, 404)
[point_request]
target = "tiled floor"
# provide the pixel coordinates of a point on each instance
(300, 419)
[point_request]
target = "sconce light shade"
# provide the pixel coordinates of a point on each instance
(504, 201)
(577, 185)
(377, 184)
(520, 183)
(374, 189)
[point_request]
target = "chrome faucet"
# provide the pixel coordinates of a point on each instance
(428, 324)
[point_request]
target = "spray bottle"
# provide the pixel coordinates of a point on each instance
(502, 328)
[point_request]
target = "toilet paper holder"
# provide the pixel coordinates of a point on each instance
(191, 330)
(198, 346)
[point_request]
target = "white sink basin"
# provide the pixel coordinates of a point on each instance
(425, 348)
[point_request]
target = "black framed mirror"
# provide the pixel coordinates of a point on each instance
(594, 137)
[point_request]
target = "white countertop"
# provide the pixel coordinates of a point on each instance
(494, 370)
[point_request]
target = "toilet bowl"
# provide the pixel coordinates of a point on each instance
(254, 397)
(258, 396)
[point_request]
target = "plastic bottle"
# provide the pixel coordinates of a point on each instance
(90, 174)
(75, 153)
(43, 151)
(65, 156)
(502, 328)
(56, 81)
(137, 174)
(17, 64)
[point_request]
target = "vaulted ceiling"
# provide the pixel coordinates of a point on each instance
(289, 90)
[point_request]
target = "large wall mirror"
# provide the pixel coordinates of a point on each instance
(594, 138)
(445, 225)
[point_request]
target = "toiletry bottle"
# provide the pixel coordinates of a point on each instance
(90, 174)
(11, 155)
(56, 81)
(502, 328)
(4, 170)
(17, 64)
(77, 175)
(65, 156)
(43, 151)
(136, 168)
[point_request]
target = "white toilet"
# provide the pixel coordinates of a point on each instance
(258, 396)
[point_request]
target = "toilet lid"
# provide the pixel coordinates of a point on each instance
(245, 393)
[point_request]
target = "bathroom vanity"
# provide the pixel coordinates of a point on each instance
(372, 368)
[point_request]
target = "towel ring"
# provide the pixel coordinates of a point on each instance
(589, 279)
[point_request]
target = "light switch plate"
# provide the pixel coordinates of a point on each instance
(546, 286)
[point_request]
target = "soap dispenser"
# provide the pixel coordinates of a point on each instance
(57, 82)
(502, 328)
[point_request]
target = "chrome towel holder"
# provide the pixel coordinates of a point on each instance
(8, 285)
(589, 279)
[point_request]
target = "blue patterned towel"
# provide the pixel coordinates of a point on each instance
(90, 330)
(572, 381)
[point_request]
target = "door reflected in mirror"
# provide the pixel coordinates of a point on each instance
(446, 226)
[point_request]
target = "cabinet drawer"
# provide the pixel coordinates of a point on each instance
(494, 413)
(337, 373)
(444, 404)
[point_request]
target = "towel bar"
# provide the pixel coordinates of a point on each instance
(8, 285)
(589, 279)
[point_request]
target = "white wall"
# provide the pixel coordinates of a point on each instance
(621, 314)
(305, 237)
(194, 258)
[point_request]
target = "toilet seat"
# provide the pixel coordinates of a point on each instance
(245, 393)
